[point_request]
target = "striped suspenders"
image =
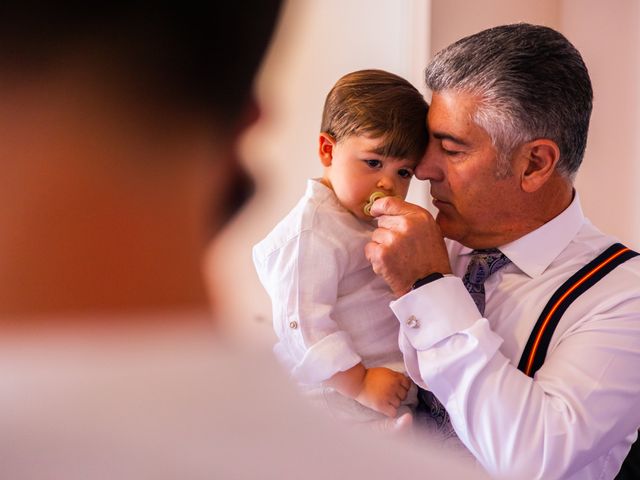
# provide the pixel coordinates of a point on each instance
(536, 349)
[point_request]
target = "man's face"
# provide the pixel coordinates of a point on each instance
(358, 169)
(476, 207)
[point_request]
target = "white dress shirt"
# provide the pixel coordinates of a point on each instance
(330, 310)
(580, 413)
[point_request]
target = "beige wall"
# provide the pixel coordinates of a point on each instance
(454, 19)
(608, 36)
(320, 40)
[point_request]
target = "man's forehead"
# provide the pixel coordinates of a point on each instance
(451, 115)
(454, 102)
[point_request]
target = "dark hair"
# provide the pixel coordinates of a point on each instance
(380, 104)
(530, 81)
(194, 53)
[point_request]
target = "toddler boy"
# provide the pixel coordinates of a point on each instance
(337, 334)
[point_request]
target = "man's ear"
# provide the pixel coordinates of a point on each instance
(540, 158)
(325, 148)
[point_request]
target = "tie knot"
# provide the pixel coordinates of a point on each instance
(483, 263)
(486, 251)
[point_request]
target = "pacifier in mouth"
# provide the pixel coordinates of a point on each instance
(372, 198)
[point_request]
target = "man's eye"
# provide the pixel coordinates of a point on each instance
(373, 163)
(451, 153)
(405, 173)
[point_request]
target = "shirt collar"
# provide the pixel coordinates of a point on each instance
(534, 252)
(315, 188)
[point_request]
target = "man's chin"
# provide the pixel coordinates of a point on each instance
(448, 227)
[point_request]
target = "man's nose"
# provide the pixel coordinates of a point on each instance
(430, 166)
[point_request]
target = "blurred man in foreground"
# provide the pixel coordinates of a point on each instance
(117, 134)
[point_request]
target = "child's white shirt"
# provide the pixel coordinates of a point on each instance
(330, 310)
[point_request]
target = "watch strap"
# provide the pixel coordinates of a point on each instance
(428, 279)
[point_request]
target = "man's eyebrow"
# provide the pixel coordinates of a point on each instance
(448, 136)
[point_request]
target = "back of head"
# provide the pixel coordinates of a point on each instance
(193, 55)
(378, 104)
(118, 123)
(530, 82)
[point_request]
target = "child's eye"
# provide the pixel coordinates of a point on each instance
(405, 173)
(373, 163)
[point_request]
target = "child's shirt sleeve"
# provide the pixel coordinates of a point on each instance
(301, 277)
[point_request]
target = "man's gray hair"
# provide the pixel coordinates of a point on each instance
(531, 83)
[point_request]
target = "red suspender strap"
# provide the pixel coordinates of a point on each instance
(538, 343)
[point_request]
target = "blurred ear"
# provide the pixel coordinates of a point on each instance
(250, 114)
(540, 158)
(326, 144)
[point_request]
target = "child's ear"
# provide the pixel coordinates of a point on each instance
(325, 148)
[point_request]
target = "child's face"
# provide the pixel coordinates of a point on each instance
(354, 171)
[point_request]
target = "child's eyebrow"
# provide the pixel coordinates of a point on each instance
(383, 150)
(380, 150)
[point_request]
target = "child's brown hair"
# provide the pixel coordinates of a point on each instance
(378, 104)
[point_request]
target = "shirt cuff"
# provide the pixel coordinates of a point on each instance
(435, 311)
(332, 354)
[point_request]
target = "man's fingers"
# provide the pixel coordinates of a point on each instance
(391, 206)
(371, 251)
(391, 222)
(382, 236)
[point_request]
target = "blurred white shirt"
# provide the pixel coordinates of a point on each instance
(170, 402)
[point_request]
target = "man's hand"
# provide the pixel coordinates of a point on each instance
(406, 246)
(383, 390)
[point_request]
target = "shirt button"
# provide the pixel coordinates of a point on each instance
(412, 322)
(293, 324)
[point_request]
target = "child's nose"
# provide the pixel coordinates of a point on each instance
(385, 183)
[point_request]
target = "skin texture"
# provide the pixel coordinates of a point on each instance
(476, 207)
(353, 170)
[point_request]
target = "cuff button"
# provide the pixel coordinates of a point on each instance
(412, 322)
(293, 325)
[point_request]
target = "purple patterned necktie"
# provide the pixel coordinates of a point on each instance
(483, 263)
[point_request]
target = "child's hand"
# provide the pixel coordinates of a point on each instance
(383, 390)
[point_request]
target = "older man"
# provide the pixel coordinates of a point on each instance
(508, 128)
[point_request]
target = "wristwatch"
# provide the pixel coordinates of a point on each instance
(428, 279)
